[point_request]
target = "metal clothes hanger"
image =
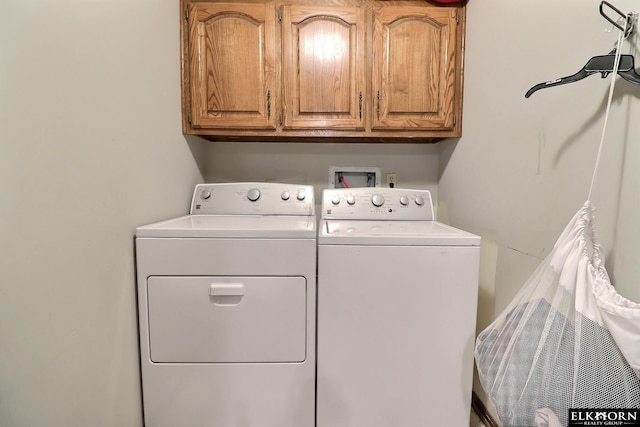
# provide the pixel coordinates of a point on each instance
(602, 64)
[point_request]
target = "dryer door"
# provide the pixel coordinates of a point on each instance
(227, 319)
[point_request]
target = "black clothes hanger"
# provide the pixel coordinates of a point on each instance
(602, 64)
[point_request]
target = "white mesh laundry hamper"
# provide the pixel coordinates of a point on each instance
(567, 340)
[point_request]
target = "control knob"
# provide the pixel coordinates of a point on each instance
(419, 200)
(253, 194)
(301, 195)
(335, 199)
(377, 200)
(285, 195)
(404, 200)
(205, 194)
(351, 199)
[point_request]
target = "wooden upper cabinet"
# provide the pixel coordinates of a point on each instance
(323, 67)
(414, 52)
(318, 70)
(232, 52)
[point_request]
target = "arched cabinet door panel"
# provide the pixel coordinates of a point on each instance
(232, 60)
(323, 67)
(414, 67)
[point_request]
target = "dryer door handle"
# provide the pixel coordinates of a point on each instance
(226, 289)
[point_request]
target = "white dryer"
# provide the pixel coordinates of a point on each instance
(397, 295)
(227, 300)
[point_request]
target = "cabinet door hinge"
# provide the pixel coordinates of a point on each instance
(457, 17)
(279, 16)
(186, 13)
(189, 118)
(280, 119)
(454, 120)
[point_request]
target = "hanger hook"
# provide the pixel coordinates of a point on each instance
(629, 19)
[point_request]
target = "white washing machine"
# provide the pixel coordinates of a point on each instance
(227, 308)
(397, 295)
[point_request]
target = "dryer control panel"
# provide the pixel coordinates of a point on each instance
(375, 203)
(253, 198)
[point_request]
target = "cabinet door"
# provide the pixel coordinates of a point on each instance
(323, 67)
(232, 66)
(414, 67)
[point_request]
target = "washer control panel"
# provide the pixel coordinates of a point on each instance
(375, 203)
(252, 198)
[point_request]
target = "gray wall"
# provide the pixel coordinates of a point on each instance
(524, 166)
(415, 164)
(90, 148)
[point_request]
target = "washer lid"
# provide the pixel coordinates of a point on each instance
(389, 233)
(233, 226)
